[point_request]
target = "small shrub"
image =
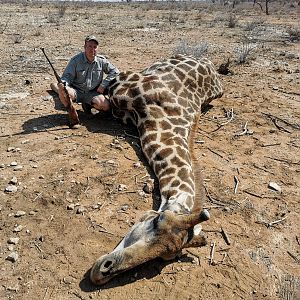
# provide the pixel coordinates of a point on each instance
(62, 10)
(294, 34)
(252, 25)
(245, 51)
(18, 38)
(38, 32)
(197, 50)
(232, 21)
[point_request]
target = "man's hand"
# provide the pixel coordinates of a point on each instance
(65, 100)
(100, 89)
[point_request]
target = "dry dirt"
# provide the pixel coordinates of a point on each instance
(70, 182)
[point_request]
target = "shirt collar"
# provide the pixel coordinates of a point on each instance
(86, 60)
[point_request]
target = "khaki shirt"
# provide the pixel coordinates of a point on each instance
(86, 76)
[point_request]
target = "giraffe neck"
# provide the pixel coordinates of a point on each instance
(169, 150)
(162, 101)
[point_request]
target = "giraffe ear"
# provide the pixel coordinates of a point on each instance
(149, 214)
(195, 237)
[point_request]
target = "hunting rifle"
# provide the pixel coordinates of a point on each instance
(72, 112)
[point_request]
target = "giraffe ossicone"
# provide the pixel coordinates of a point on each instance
(164, 102)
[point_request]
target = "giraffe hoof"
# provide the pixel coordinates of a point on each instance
(204, 215)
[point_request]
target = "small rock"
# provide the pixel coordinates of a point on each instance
(71, 206)
(13, 257)
(2, 166)
(13, 164)
(20, 213)
(124, 207)
(11, 189)
(10, 149)
(41, 177)
(13, 241)
(12, 288)
(137, 165)
(14, 180)
(68, 280)
(111, 162)
(95, 206)
(118, 146)
(80, 210)
(274, 186)
(10, 247)
(122, 187)
(18, 168)
(148, 186)
(47, 98)
(18, 228)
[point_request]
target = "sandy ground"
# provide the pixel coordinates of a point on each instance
(69, 196)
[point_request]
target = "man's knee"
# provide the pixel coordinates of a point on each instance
(101, 103)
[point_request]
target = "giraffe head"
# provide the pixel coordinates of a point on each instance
(157, 234)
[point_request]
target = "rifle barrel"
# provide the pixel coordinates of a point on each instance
(55, 73)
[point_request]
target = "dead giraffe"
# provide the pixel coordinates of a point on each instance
(164, 102)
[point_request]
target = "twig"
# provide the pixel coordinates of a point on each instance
(225, 236)
(105, 231)
(231, 115)
(127, 192)
(269, 145)
(284, 160)
(295, 126)
(87, 184)
(217, 154)
(236, 182)
(127, 157)
(46, 293)
(40, 194)
(280, 127)
(263, 169)
(212, 252)
(245, 130)
(276, 222)
(38, 247)
(270, 224)
(289, 93)
(210, 198)
(224, 257)
(213, 206)
(252, 194)
(102, 205)
(195, 255)
(297, 260)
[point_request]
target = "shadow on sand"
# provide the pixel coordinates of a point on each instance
(147, 270)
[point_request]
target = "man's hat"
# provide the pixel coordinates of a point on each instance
(91, 38)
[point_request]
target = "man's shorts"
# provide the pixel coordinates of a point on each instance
(85, 97)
